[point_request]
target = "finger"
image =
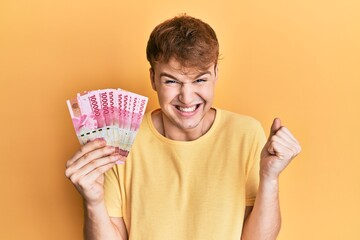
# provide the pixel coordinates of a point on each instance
(279, 141)
(289, 134)
(92, 166)
(89, 158)
(88, 147)
(92, 176)
(276, 125)
(286, 135)
(96, 173)
(121, 160)
(281, 151)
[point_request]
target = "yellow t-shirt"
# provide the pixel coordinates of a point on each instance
(179, 190)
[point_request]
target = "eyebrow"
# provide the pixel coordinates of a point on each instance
(164, 74)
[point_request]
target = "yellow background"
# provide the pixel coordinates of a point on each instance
(299, 60)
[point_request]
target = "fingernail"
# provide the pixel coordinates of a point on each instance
(119, 162)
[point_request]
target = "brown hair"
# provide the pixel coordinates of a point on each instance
(190, 41)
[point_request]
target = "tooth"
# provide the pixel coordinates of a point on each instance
(189, 109)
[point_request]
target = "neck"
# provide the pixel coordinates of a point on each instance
(165, 128)
(181, 134)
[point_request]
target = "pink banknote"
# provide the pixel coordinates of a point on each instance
(112, 114)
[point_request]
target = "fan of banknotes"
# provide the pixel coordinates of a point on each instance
(112, 114)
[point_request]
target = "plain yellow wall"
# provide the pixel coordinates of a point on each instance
(299, 60)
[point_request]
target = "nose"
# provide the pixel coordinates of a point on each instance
(186, 94)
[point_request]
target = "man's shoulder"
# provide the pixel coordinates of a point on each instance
(230, 118)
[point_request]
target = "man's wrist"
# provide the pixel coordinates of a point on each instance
(93, 206)
(269, 180)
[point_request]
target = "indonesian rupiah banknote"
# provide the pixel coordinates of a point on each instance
(112, 114)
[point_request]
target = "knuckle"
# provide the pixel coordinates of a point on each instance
(70, 162)
(110, 158)
(86, 156)
(274, 138)
(104, 150)
(299, 149)
(86, 148)
(273, 143)
(100, 170)
(82, 182)
(107, 150)
(93, 165)
(67, 173)
(97, 143)
(82, 150)
(280, 131)
(73, 178)
(284, 129)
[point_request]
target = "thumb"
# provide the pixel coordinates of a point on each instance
(276, 125)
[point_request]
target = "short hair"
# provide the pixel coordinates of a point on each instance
(192, 42)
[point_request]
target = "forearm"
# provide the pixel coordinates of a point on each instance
(264, 220)
(98, 226)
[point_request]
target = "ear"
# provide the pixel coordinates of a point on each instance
(152, 78)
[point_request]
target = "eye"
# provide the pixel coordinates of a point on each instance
(200, 80)
(168, 81)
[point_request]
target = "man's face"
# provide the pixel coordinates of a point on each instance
(185, 94)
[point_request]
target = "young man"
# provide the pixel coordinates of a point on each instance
(194, 171)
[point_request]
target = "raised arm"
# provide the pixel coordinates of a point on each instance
(264, 221)
(86, 171)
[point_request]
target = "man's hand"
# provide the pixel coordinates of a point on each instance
(87, 167)
(278, 151)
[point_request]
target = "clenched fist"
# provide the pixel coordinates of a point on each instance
(280, 148)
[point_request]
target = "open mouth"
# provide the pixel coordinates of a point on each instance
(188, 109)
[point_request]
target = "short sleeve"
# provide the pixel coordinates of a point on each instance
(252, 176)
(112, 192)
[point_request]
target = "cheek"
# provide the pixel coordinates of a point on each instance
(167, 95)
(207, 93)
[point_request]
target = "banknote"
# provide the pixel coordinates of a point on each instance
(112, 114)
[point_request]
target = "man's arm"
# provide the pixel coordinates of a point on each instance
(98, 224)
(86, 171)
(264, 220)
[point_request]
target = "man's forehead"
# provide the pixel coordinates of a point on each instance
(175, 67)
